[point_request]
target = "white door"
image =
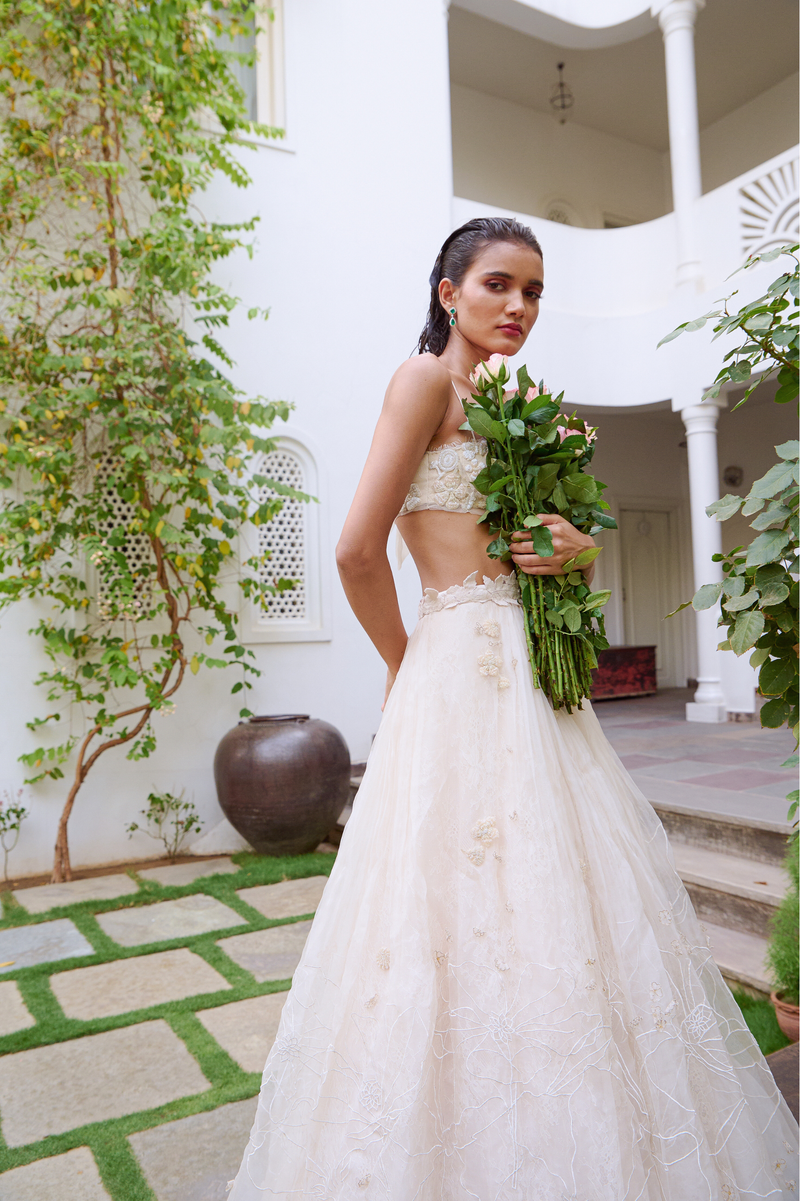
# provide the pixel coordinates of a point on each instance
(648, 584)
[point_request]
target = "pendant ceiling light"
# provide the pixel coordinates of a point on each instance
(561, 97)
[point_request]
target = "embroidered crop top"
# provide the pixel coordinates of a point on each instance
(444, 479)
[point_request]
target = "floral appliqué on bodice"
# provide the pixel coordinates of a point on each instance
(444, 479)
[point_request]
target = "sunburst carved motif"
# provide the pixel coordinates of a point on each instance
(769, 210)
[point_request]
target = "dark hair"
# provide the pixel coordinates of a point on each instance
(453, 262)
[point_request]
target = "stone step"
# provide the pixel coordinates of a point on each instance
(746, 837)
(730, 890)
(740, 957)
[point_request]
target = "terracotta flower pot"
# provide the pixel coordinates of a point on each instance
(282, 781)
(788, 1016)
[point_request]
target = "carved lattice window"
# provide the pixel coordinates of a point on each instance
(136, 547)
(282, 541)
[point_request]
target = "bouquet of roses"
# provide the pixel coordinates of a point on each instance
(536, 463)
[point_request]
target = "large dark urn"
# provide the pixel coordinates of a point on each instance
(282, 781)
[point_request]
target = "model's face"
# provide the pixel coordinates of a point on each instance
(497, 302)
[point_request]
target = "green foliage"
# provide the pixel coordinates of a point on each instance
(110, 389)
(759, 590)
(169, 819)
(12, 815)
(767, 329)
(782, 950)
(759, 1014)
(536, 463)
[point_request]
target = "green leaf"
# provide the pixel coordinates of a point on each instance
(777, 675)
(779, 476)
(482, 424)
(774, 713)
(546, 480)
(516, 427)
(706, 597)
(733, 586)
(752, 504)
(776, 515)
(596, 600)
(748, 629)
(774, 593)
(737, 603)
(759, 656)
(554, 618)
(532, 521)
(572, 617)
(542, 541)
(772, 573)
(760, 322)
(669, 337)
(680, 608)
(586, 556)
(725, 507)
(788, 450)
(767, 547)
(580, 487)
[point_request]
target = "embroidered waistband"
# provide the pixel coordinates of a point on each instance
(502, 591)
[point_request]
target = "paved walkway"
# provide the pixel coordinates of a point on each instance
(731, 768)
(136, 1010)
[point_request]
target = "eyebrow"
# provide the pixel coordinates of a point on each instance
(507, 275)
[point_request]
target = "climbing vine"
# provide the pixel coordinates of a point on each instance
(128, 459)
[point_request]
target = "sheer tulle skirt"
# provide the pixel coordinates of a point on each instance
(506, 993)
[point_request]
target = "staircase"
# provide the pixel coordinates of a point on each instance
(732, 869)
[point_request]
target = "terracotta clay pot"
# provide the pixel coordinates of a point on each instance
(788, 1016)
(282, 781)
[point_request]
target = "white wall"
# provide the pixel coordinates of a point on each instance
(352, 219)
(511, 156)
(760, 129)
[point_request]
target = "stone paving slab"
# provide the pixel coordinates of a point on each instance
(711, 800)
(13, 1012)
(96, 888)
(25, 946)
(70, 1177)
(246, 1029)
(181, 918)
(187, 873)
(48, 1090)
(107, 989)
(194, 1158)
(290, 898)
(268, 954)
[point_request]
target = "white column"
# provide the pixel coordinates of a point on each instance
(676, 18)
(700, 421)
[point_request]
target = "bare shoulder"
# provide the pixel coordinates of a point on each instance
(422, 380)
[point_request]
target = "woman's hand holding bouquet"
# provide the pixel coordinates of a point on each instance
(541, 500)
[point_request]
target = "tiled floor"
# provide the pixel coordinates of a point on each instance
(731, 768)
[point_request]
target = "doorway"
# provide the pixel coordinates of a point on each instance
(650, 579)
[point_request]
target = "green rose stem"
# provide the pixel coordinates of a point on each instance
(519, 490)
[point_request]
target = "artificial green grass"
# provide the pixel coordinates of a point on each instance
(761, 1021)
(117, 1164)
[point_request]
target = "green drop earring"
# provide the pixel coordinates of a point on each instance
(452, 316)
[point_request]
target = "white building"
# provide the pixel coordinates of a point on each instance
(402, 121)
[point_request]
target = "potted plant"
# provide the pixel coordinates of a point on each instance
(782, 952)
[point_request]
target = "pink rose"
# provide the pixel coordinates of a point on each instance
(494, 372)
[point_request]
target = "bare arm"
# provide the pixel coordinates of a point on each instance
(415, 405)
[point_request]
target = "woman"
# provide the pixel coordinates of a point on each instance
(505, 992)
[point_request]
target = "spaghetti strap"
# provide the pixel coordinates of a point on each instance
(461, 399)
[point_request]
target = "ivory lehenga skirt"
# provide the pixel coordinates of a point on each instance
(506, 993)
